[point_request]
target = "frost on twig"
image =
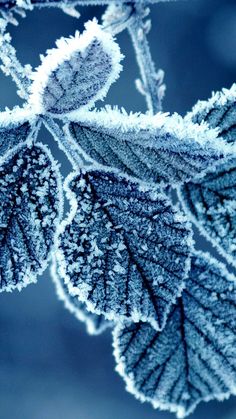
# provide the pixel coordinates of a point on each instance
(12, 67)
(133, 17)
(124, 250)
(193, 358)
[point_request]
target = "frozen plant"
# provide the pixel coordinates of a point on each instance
(123, 256)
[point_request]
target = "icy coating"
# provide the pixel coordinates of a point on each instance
(76, 73)
(124, 256)
(29, 214)
(16, 128)
(95, 324)
(211, 202)
(123, 250)
(161, 149)
(194, 357)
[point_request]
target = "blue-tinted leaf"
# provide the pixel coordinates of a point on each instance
(76, 73)
(219, 112)
(160, 149)
(95, 324)
(124, 250)
(194, 357)
(211, 202)
(30, 209)
(15, 129)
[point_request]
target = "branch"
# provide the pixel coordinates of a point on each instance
(131, 16)
(151, 83)
(7, 7)
(11, 66)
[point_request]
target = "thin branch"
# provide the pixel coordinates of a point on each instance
(132, 16)
(151, 83)
(9, 8)
(11, 65)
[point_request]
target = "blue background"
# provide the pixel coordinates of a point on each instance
(49, 367)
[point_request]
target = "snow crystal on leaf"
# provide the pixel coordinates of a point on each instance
(95, 324)
(211, 202)
(219, 112)
(76, 73)
(30, 210)
(123, 250)
(161, 149)
(15, 129)
(194, 357)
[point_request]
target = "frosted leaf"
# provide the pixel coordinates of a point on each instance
(160, 149)
(211, 202)
(124, 250)
(95, 324)
(76, 73)
(194, 357)
(219, 112)
(15, 129)
(30, 210)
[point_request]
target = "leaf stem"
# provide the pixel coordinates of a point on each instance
(68, 146)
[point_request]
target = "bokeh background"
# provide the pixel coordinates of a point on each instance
(49, 367)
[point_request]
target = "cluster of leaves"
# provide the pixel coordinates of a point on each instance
(124, 256)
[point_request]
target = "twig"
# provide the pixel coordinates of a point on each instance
(132, 17)
(151, 83)
(11, 65)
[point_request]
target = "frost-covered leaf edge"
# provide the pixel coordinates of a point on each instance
(65, 47)
(11, 118)
(32, 278)
(71, 197)
(230, 259)
(220, 97)
(79, 314)
(130, 386)
(174, 124)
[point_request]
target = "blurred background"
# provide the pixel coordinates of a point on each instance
(49, 367)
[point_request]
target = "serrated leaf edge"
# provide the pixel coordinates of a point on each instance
(30, 277)
(74, 291)
(130, 387)
(65, 49)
